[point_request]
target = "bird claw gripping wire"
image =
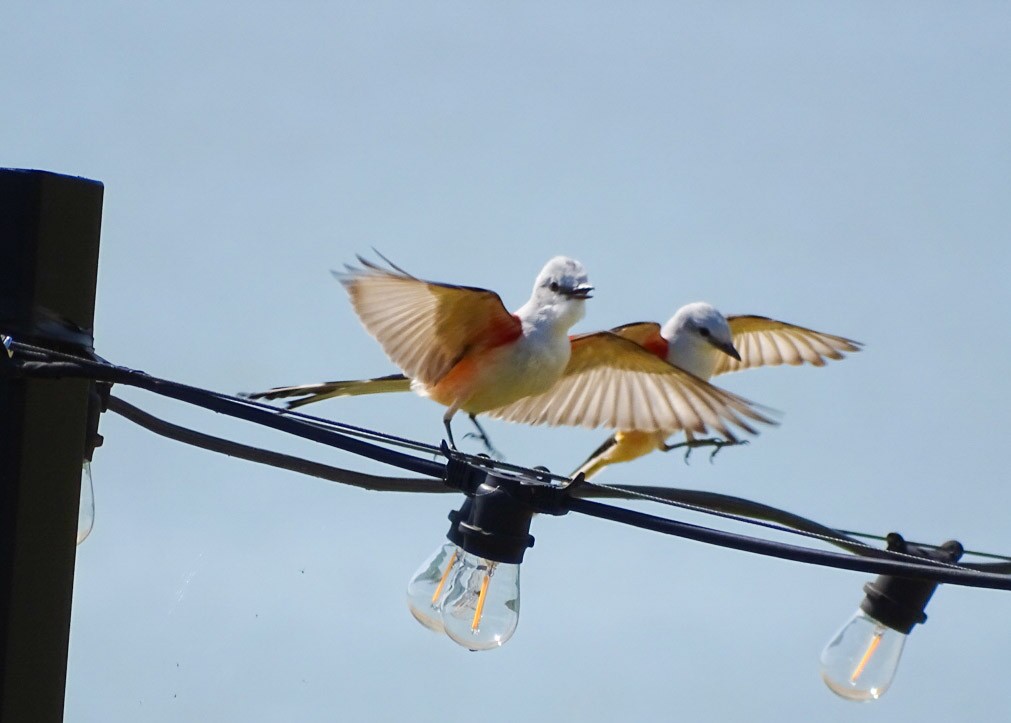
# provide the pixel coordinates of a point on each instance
(492, 452)
(485, 440)
(716, 442)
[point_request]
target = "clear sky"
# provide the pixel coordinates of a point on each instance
(844, 166)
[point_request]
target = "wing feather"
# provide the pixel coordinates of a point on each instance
(762, 341)
(613, 382)
(424, 326)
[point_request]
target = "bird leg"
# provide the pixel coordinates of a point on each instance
(449, 429)
(483, 436)
(691, 443)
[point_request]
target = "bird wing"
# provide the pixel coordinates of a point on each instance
(646, 334)
(762, 341)
(423, 326)
(613, 382)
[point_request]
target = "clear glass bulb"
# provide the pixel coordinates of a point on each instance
(482, 607)
(859, 663)
(86, 511)
(429, 585)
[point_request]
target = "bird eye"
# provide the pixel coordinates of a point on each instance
(704, 331)
(554, 286)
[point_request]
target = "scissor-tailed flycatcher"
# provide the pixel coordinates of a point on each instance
(459, 346)
(699, 339)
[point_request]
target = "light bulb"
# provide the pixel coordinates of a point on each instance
(86, 510)
(429, 585)
(482, 607)
(859, 663)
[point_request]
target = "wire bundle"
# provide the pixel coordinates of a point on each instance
(34, 361)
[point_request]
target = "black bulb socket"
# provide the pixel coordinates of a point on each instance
(494, 523)
(455, 535)
(899, 602)
(498, 527)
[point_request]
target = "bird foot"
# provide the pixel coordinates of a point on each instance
(492, 452)
(715, 442)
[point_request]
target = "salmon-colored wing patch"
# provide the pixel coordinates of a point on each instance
(646, 334)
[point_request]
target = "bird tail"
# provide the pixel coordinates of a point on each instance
(309, 393)
(596, 461)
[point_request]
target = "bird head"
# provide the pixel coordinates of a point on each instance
(562, 286)
(696, 335)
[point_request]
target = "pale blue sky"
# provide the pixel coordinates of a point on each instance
(839, 165)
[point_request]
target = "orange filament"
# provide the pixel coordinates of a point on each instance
(875, 642)
(445, 575)
(480, 603)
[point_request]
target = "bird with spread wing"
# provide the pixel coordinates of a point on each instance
(700, 340)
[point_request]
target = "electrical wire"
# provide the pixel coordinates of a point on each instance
(866, 563)
(69, 365)
(974, 553)
(274, 459)
(885, 565)
(824, 534)
(37, 361)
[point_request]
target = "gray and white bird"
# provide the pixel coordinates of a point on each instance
(700, 340)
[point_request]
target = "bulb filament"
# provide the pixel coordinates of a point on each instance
(445, 575)
(479, 608)
(875, 642)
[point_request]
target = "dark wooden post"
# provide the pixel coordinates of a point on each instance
(49, 232)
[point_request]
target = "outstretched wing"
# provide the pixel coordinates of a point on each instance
(613, 382)
(766, 342)
(646, 334)
(423, 326)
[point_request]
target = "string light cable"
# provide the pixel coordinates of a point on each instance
(24, 359)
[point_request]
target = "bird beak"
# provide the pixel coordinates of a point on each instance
(580, 292)
(727, 348)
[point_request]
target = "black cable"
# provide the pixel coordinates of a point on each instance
(41, 364)
(737, 509)
(879, 566)
(71, 366)
(755, 513)
(313, 428)
(705, 502)
(274, 459)
(976, 553)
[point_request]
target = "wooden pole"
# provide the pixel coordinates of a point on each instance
(49, 234)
